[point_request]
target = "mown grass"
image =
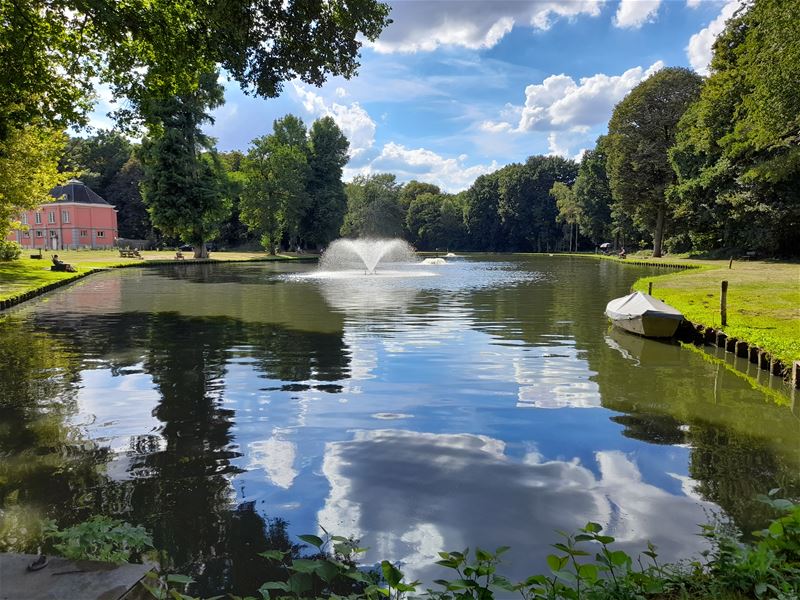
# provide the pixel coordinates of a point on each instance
(28, 274)
(763, 300)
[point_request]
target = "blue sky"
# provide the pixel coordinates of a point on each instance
(456, 89)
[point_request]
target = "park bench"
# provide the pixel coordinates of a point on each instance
(129, 253)
(178, 255)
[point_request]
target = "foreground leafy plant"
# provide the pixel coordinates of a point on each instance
(584, 566)
(102, 538)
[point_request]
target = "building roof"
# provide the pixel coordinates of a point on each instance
(76, 191)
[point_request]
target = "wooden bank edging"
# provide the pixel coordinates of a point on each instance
(30, 294)
(700, 335)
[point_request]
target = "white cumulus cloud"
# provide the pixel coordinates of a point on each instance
(700, 48)
(352, 119)
(632, 14)
(450, 174)
(561, 103)
(425, 26)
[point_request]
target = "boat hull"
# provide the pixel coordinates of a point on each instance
(655, 326)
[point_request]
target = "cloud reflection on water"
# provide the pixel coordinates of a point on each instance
(408, 495)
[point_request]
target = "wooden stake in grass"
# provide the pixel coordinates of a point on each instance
(723, 304)
(650, 288)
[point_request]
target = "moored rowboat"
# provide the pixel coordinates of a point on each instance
(643, 314)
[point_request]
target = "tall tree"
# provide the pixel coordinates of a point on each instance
(423, 220)
(125, 194)
(641, 132)
(480, 213)
(182, 185)
(275, 191)
(568, 212)
(327, 157)
(593, 195)
(737, 153)
(97, 159)
(373, 207)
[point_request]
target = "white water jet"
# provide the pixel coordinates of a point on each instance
(365, 253)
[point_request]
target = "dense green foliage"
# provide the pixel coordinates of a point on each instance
(373, 207)
(28, 171)
(737, 155)
(292, 191)
(149, 51)
(640, 134)
(181, 187)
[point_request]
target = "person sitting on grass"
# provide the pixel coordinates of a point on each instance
(622, 253)
(60, 265)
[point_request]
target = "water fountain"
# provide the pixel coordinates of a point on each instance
(365, 254)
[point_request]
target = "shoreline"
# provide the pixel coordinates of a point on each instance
(733, 337)
(38, 290)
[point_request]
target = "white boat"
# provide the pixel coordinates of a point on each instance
(643, 314)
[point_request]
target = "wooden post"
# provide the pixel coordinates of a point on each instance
(730, 263)
(650, 288)
(723, 304)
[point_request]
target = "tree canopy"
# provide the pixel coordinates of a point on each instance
(181, 187)
(641, 132)
(147, 51)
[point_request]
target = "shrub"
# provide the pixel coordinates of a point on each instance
(9, 250)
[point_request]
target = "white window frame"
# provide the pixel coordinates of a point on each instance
(101, 234)
(38, 218)
(84, 233)
(51, 216)
(65, 216)
(24, 218)
(40, 233)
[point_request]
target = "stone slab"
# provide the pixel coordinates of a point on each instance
(64, 579)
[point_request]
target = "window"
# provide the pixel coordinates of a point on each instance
(101, 234)
(84, 233)
(65, 216)
(40, 234)
(25, 234)
(53, 233)
(51, 216)
(38, 218)
(24, 218)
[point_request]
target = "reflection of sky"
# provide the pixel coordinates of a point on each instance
(408, 495)
(462, 464)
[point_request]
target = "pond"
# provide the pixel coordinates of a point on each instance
(230, 407)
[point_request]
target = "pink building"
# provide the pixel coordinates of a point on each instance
(78, 218)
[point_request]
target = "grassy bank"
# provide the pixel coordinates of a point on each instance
(763, 297)
(28, 275)
(763, 301)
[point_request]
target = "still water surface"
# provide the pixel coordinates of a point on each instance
(484, 402)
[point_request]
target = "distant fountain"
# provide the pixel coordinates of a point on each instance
(365, 254)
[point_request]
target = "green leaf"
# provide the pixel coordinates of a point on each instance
(391, 574)
(593, 527)
(312, 539)
(588, 572)
(275, 585)
(303, 565)
(619, 558)
(502, 550)
(178, 578)
(272, 554)
(300, 583)
(554, 562)
(481, 554)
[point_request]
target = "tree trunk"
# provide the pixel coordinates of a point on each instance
(659, 233)
(201, 251)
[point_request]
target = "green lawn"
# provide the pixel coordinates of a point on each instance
(763, 300)
(27, 274)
